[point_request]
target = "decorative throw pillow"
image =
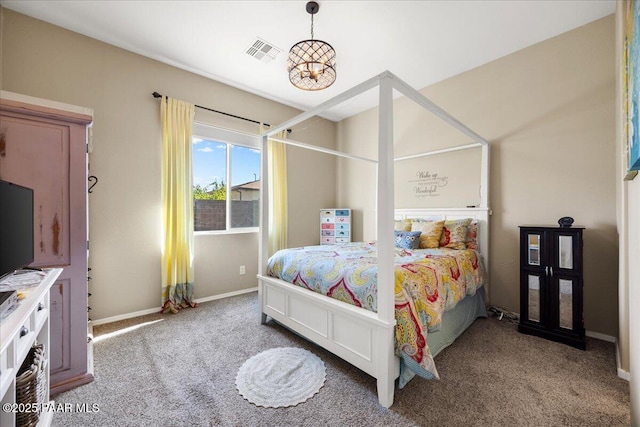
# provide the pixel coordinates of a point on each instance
(430, 233)
(407, 239)
(471, 241)
(402, 225)
(454, 233)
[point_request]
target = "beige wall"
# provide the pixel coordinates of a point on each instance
(549, 112)
(41, 60)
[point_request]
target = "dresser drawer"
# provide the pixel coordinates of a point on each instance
(24, 339)
(41, 313)
(335, 226)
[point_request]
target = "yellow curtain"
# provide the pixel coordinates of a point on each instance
(277, 157)
(177, 205)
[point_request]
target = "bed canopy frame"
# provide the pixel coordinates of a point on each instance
(363, 338)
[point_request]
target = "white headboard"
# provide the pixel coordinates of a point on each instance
(481, 215)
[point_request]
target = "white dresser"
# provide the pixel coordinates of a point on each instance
(335, 226)
(26, 325)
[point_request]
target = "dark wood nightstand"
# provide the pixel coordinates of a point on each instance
(551, 283)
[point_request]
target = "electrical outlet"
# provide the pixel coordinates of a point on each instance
(242, 270)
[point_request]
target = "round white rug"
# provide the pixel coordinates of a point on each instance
(281, 377)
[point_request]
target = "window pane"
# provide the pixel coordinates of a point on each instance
(245, 187)
(209, 189)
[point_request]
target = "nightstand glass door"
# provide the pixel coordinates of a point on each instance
(565, 252)
(534, 278)
(533, 249)
(565, 303)
(533, 283)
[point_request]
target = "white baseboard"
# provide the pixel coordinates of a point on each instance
(157, 310)
(625, 375)
(125, 316)
(227, 295)
(599, 336)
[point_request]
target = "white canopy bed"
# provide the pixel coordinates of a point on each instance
(362, 337)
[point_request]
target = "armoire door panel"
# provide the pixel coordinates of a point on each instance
(36, 155)
(59, 326)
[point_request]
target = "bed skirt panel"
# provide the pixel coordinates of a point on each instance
(454, 323)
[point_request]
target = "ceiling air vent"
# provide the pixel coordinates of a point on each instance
(262, 50)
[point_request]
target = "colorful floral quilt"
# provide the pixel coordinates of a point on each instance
(428, 282)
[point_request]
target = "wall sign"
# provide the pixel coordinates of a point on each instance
(443, 180)
(428, 184)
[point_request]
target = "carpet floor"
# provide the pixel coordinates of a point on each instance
(180, 370)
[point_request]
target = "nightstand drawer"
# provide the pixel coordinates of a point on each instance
(328, 226)
(328, 240)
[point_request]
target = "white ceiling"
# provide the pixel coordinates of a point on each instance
(422, 42)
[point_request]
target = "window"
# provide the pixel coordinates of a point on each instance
(226, 179)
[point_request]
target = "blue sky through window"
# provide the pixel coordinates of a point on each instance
(210, 163)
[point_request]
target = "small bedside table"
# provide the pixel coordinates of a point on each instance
(551, 283)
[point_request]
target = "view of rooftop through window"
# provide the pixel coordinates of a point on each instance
(214, 163)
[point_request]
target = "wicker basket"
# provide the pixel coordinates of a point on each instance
(31, 386)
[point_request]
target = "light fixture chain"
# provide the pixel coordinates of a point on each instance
(311, 26)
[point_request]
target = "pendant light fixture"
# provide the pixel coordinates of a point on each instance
(312, 63)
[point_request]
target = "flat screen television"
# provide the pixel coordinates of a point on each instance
(16, 227)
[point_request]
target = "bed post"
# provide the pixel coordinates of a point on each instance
(263, 247)
(386, 253)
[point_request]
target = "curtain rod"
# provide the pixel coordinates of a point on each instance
(157, 95)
